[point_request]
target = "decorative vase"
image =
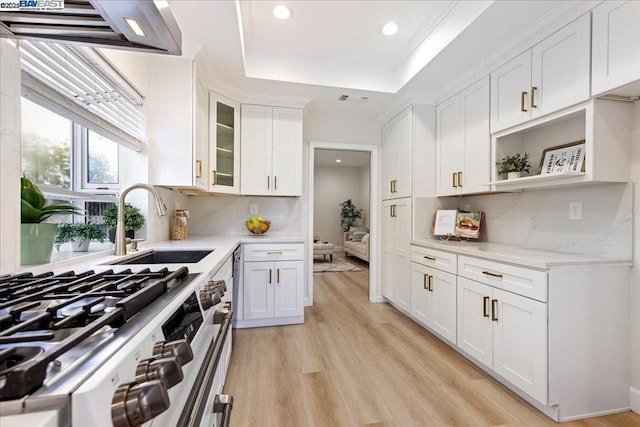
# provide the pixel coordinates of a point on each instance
(514, 175)
(80, 245)
(36, 242)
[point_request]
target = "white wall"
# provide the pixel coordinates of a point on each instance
(365, 177)
(635, 278)
(332, 186)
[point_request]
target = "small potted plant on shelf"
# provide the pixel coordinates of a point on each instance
(133, 220)
(37, 236)
(348, 214)
(513, 166)
(80, 235)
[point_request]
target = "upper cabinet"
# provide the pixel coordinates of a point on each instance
(179, 150)
(408, 147)
(271, 146)
(224, 142)
(463, 147)
(552, 75)
(616, 46)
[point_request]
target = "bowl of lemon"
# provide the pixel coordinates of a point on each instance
(257, 225)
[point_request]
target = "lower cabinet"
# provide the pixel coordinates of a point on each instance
(273, 285)
(505, 332)
(433, 300)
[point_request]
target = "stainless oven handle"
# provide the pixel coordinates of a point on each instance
(223, 405)
(193, 410)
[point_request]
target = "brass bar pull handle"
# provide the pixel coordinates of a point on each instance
(488, 273)
(533, 97)
(274, 252)
(268, 182)
(391, 211)
(485, 307)
(269, 276)
(275, 182)
(459, 179)
(430, 258)
(522, 97)
(494, 310)
(455, 175)
(215, 177)
(425, 286)
(391, 186)
(198, 169)
(430, 283)
(395, 185)
(277, 275)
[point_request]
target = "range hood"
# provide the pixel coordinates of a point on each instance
(140, 25)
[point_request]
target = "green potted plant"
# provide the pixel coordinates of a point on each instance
(513, 166)
(348, 214)
(80, 235)
(133, 220)
(36, 236)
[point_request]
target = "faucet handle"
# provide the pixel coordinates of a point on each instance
(134, 244)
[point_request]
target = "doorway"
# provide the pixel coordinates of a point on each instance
(371, 151)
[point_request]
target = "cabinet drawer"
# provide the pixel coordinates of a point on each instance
(519, 280)
(441, 260)
(273, 252)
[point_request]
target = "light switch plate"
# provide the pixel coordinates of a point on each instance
(575, 210)
(253, 209)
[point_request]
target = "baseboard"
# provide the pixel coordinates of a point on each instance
(634, 398)
(378, 299)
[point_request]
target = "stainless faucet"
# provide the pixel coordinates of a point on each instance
(161, 209)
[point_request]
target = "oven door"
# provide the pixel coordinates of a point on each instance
(206, 406)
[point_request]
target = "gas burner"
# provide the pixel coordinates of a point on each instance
(14, 356)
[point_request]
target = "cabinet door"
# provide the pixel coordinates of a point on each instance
(288, 288)
(520, 342)
(389, 158)
(474, 324)
(258, 288)
(560, 68)
(616, 45)
(510, 85)
(474, 110)
(449, 146)
(287, 152)
(224, 144)
(256, 147)
(201, 131)
(402, 220)
(443, 294)
(388, 250)
(404, 170)
(421, 301)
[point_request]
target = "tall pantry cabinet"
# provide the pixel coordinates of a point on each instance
(408, 169)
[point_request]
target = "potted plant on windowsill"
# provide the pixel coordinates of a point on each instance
(513, 166)
(36, 236)
(348, 214)
(133, 220)
(80, 235)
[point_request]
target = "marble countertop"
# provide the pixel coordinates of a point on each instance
(533, 258)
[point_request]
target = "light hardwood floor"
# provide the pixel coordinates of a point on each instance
(354, 363)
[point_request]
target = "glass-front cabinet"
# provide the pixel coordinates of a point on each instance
(224, 152)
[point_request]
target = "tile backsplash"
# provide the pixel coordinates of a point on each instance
(539, 219)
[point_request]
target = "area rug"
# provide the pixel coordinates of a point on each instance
(335, 266)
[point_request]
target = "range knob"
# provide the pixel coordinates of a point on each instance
(134, 404)
(216, 285)
(165, 369)
(179, 349)
(209, 299)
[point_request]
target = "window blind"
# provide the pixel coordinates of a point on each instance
(80, 84)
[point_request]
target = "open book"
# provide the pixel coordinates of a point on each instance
(457, 223)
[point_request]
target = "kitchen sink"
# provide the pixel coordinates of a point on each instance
(167, 257)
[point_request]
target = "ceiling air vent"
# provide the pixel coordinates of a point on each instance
(353, 100)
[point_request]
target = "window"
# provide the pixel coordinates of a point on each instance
(101, 162)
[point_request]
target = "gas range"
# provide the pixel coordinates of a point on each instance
(109, 347)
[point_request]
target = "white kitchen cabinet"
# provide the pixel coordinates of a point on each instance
(615, 58)
(273, 284)
(271, 146)
(396, 237)
(224, 143)
(463, 143)
(552, 75)
(433, 300)
(180, 154)
(408, 148)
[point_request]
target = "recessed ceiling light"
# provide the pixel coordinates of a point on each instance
(338, 161)
(281, 12)
(390, 28)
(135, 27)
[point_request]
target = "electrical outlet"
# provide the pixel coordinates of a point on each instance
(575, 210)
(253, 209)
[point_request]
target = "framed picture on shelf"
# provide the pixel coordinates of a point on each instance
(563, 158)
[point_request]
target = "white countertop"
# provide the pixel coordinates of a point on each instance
(533, 258)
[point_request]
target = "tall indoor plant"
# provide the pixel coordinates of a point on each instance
(133, 220)
(36, 236)
(348, 214)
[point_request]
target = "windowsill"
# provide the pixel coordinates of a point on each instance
(65, 256)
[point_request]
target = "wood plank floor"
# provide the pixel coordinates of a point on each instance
(354, 363)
